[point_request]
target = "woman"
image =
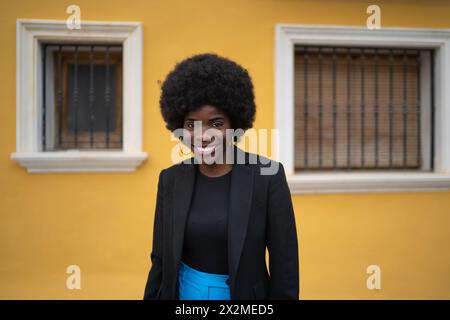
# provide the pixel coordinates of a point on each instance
(217, 212)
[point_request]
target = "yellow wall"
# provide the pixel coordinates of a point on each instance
(103, 221)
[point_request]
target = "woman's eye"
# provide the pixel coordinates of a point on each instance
(189, 125)
(217, 124)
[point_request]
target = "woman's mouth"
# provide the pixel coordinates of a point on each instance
(204, 150)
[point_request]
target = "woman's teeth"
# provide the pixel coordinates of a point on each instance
(204, 150)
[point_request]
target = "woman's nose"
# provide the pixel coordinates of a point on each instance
(204, 140)
(206, 136)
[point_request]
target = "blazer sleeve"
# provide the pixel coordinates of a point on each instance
(282, 240)
(153, 285)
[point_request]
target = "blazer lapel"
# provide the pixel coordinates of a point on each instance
(241, 189)
(239, 210)
(183, 190)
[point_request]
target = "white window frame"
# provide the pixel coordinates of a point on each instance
(29, 153)
(287, 36)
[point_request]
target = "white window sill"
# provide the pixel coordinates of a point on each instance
(368, 182)
(79, 161)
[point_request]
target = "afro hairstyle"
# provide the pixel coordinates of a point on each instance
(208, 79)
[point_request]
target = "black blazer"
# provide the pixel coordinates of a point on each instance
(261, 214)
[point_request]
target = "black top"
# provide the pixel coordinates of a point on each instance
(206, 238)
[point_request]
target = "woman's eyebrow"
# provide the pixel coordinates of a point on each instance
(216, 118)
(212, 119)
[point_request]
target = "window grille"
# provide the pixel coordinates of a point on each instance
(82, 96)
(360, 108)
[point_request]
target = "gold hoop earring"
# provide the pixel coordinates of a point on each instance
(181, 153)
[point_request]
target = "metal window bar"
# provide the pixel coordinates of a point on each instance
(334, 108)
(376, 107)
(405, 106)
(391, 106)
(378, 93)
(349, 108)
(77, 96)
(59, 94)
(362, 106)
(432, 113)
(305, 107)
(320, 108)
(91, 96)
(43, 99)
(418, 113)
(107, 96)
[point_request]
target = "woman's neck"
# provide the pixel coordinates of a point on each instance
(217, 169)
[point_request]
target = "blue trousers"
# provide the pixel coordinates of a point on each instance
(199, 285)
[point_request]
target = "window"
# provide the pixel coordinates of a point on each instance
(79, 96)
(361, 110)
(82, 97)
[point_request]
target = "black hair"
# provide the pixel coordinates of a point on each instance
(208, 79)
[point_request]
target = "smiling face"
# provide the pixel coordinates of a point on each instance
(208, 141)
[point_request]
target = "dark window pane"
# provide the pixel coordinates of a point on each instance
(100, 108)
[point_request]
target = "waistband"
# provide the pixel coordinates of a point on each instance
(204, 278)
